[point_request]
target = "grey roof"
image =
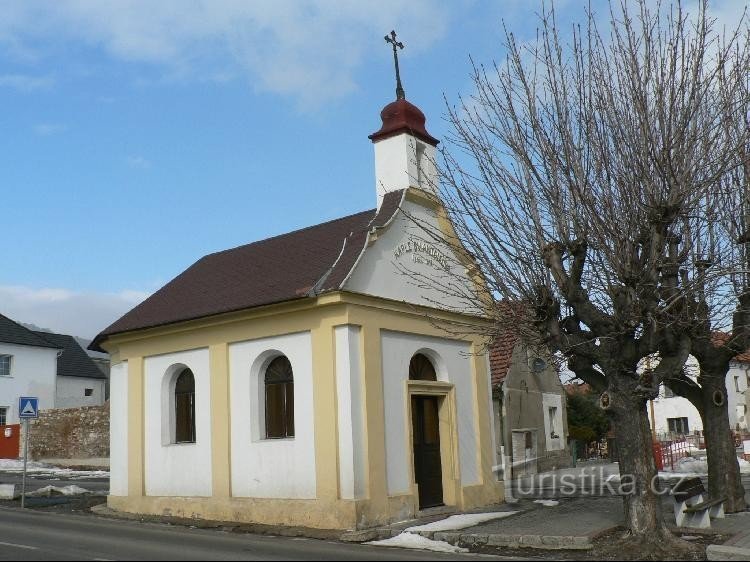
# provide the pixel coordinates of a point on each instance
(13, 332)
(73, 361)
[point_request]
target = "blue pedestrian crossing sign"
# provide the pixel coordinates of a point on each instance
(28, 407)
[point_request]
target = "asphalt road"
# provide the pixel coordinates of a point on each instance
(33, 535)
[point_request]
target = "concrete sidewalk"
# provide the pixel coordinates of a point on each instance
(573, 524)
(736, 548)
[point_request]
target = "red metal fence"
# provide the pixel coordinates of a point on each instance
(667, 453)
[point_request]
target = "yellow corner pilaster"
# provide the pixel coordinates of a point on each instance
(483, 417)
(371, 361)
(325, 406)
(136, 480)
(220, 421)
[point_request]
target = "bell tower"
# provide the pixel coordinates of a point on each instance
(404, 150)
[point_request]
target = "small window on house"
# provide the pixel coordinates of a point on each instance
(678, 425)
(279, 383)
(3, 416)
(88, 391)
(737, 384)
(184, 405)
(5, 363)
(421, 369)
(552, 422)
(668, 392)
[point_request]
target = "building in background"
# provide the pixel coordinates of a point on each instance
(674, 416)
(529, 409)
(52, 367)
(79, 382)
(28, 367)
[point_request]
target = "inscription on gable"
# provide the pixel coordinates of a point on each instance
(422, 252)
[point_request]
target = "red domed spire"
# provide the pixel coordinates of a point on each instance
(402, 116)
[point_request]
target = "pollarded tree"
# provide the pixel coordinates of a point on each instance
(718, 311)
(566, 178)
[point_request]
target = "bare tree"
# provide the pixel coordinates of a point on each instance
(568, 178)
(719, 310)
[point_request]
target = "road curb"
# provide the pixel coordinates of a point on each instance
(540, 542)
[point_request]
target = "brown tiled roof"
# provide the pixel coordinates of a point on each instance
(576, 388)
(291, 266)
(501, 355)
(720, 338)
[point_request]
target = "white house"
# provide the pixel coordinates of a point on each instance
(28, 367)
(674, 415)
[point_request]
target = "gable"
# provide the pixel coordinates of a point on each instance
(406, 261)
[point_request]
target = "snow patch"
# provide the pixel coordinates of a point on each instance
(418, 542)
(690, 466)
(15, 466)
(548, 503)
(456, 522)
(49, 491)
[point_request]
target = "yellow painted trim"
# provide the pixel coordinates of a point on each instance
(175, 337)
(136, 436)
(374, 423)
(325, 411)
(448, 427)
(220, 421)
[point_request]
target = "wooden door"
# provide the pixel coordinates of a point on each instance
(428, 471)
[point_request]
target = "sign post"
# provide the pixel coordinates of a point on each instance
(28, 409)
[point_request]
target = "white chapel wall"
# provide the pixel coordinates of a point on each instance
(454, 366)
(271, 468)
(118, 430)
(349, 384)
(182, 469)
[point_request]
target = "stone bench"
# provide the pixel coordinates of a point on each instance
(691, 506)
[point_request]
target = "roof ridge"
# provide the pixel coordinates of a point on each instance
(299, 230)
(30, 331)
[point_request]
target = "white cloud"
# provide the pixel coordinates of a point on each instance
(306, 50)
(48, 129)
(82, 314)
(25, 82)
(138, 162)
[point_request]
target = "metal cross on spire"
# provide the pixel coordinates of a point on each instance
(400, 94)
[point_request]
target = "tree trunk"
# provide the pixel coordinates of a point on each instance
(643, 511)
(724, 478)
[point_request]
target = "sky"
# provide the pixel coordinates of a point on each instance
(138, 136)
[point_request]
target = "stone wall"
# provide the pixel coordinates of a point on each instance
(69, 433)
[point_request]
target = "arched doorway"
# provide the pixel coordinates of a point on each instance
(428, 471)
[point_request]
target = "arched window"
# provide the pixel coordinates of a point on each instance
(184, 407)
(421, 369)
(279, 383)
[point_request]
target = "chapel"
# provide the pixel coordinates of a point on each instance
(306, 379)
